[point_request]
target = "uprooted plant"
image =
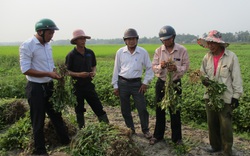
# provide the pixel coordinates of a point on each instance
(171, 99)
(63, 93)
(214, 90)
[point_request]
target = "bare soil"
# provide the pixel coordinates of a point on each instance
(195, 140)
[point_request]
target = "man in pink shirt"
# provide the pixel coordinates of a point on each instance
(175, 53)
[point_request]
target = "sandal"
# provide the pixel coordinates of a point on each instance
(153, 141)
(147, 135)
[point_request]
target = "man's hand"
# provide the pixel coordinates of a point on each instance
(205, 81)
(83, 74)
(172, 68)
(163, 64)
(143, 88)
(234, 103)
(169, 65)
(54, 75)
(92, 74)
(116, 92)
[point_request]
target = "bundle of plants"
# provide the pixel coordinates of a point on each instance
(171, 99)
(51, 137)
(63, 90)
(103, 140)
(214, 90)
(12, 110)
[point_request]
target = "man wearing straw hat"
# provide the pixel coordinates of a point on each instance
(221, 65)
(81, 63)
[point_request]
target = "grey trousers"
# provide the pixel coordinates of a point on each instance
(126, 90)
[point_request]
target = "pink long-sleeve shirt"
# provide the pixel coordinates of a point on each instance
(179, 55)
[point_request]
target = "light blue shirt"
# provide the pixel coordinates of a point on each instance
(132, 66)
(34, 55)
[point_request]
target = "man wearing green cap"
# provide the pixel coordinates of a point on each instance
(37, 64)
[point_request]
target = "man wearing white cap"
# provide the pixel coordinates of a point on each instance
(81, 64)
(221, 65)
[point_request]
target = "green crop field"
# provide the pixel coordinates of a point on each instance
(12, 81)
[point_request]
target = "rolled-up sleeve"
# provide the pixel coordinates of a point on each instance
(25, 58)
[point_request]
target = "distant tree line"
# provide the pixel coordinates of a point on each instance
(238, 37)
(242, 36)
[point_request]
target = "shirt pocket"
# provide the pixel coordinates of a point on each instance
(137, 64)
(224, 72)
(209, 71)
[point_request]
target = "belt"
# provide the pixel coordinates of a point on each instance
(45, 83)
(175, 81)
(130, 80)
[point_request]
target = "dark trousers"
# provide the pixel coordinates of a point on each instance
(87, 92)
(126, 90)
(38, 98)
(220, 128)
(161, 114)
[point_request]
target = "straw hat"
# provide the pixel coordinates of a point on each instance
(213, 36)
(78, 33)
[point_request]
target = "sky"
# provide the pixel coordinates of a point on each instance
(108, 19)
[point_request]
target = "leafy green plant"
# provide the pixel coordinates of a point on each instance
(102, 139)
(12, 81)
(214, 91)
(171, 99)
(63, 90)
(18, 135)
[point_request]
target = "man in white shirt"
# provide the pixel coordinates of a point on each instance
(37, 64)
(130, 62)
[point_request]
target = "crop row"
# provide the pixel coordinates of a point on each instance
(12, 82)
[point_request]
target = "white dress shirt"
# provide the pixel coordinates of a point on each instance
(34, 55)
(132, 65)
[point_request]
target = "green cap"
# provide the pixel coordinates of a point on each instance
(44, 24)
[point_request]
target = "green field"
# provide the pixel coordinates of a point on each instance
(12, 82)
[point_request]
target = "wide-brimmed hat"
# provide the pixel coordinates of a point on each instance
(213, 36)
(78, 33)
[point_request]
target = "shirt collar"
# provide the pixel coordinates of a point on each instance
(125, 49)
(37, 41)
(226, 52)
(164, 49)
